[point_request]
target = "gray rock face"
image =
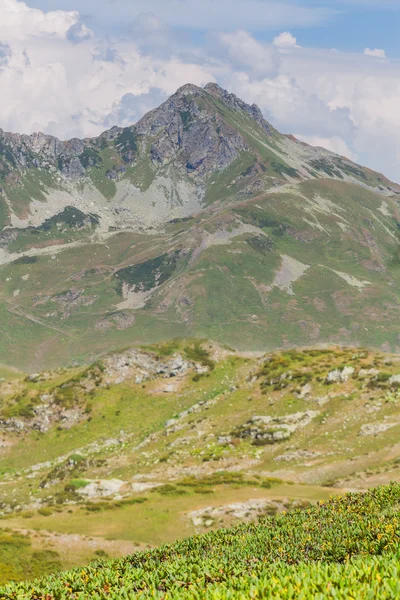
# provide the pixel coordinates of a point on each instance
(188, 128)
(370, 429)
(338, 376)
(237, 104)
(7, 236)
(141, 366)
(44, 416)
(200, 138)
(42, 151)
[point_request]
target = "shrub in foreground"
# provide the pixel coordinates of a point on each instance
(345, 548)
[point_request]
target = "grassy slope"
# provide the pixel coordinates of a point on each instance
(122, 434)
(226, 292)
(298, 555)
(220, 288)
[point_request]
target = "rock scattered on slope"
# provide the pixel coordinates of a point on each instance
(245, 511)
(340, 376)
(375, 428)
(270, 430)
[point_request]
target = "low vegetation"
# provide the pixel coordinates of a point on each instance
(154, 444)
(19, 560)
(344, 548)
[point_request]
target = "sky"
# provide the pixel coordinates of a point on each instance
(326, 71)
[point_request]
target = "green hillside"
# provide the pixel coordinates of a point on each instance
(199, 221)
(344, 548)
(155, 444)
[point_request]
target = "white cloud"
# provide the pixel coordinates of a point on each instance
(377, 52)
(290, 107)
(244, 53)
(79, 33)
(285, 40)
(19, 21)
(56, 76)
(5, 54)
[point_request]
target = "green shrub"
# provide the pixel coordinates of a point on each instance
(383, 377)
(76, 484)
(76, 459)
(345, 548)
(198, 354)
(45, 512)
(170, 490)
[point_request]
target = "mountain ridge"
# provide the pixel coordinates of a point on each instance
(202, 194)
(75, 147)
(231, 99)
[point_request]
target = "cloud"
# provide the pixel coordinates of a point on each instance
(378, 52)
(285, 40)
(291, 108)
(53, 82)
(78, 33)
(151, 35)
(5, 54)
(19, 21)
(255, 15)
(243, 52)
(59, 77)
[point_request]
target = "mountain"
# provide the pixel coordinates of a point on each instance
(201, 220)
(155, 444)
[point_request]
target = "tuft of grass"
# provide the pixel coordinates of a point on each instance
(76, 484)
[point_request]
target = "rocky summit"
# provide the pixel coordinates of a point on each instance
(201, 220)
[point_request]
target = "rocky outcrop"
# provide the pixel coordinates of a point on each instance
(187, 128)
(370, 429)
(113, 488)
(236, 103)
(271, 430)
(244, 511)
(42, 151)
(141, 366)
(193, 132)
(340, 376)
(44, 416)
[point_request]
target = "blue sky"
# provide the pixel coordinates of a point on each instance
(327, 71)
(355, 26)
(349, 25)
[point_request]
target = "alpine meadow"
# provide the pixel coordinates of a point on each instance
(199, 314)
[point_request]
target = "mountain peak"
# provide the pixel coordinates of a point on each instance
(236, 103)
(188, 88)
